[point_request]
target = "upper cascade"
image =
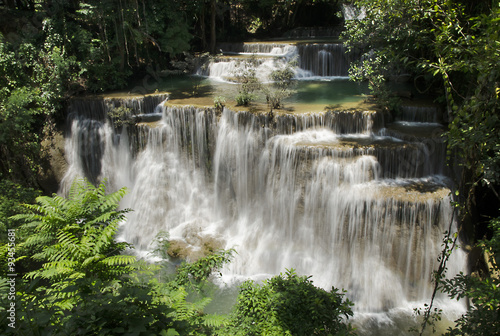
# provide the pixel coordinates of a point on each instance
(311, 60)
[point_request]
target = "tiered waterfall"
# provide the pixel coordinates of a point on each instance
(352, 198)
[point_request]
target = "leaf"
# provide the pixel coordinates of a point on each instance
(215, 320)
(172, 332)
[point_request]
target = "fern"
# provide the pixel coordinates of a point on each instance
(75, 235)
(119, 260)
(215, 320)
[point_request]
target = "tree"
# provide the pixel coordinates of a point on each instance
(213, 16)
(52, 50)
(448, 52)
(248, 81)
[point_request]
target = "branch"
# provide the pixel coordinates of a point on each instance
(444, 257)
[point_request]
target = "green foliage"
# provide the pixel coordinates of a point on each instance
(277, 17)
(482, 291)
(254, 25)
(219, 103)
(127, 309)
(289, 304)
(447, 49)
(120, 116)
(197, 273)
(74, 237)
(161, 245)
(452, 49)
(12, 195)
(34, 81)
(80, 283)
(372, 68)
(244, 98)
(54, 49)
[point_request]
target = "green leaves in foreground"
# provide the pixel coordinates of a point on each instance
(80, 283)
(289, 304)
(74, 237)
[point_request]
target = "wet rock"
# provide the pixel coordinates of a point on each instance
(54, 164)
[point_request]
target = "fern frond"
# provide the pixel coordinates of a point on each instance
(92, 259)
(101, 189)
(57, 256)
(105, 236)
(39, 239)
(52, 207)
(4, 286)
(201, 304)
(215, 320)
(176, 297)
(66, 238)
(77, 275)
(31, 225)
(30, 217)
(64, 304)
(104, 218)
(112, 200)
(120, 259)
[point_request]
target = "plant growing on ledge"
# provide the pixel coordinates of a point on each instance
(282, 85)
(120, 116)
(249, 83)
(219, 103)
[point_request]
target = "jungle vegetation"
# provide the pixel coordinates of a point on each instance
(51, 50)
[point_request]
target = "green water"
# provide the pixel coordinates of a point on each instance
(318, 93)
(329, 92)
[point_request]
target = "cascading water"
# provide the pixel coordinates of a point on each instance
(323, 60)
(95, 147)
(350, 204)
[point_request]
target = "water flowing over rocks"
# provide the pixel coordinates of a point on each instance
(343, 195)
(357, 198)
(314, 59)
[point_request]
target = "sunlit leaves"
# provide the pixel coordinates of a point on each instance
(289, 304)
(76, 235)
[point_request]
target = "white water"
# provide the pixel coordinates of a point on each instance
(341, 207)
(314, 61)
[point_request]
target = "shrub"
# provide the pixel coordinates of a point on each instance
(289, 304)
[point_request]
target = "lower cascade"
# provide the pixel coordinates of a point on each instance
(338, 195)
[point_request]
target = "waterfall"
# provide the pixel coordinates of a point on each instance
(341, 195)
(323, 60)
(420, 113)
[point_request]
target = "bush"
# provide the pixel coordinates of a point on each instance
(289, 304)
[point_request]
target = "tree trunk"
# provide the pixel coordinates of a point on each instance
(213, 37)
(203, 33)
